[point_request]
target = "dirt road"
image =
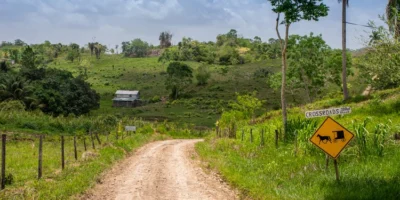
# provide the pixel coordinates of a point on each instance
(161, 170)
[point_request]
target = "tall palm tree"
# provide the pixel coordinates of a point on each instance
(345, 4)
(392, 15)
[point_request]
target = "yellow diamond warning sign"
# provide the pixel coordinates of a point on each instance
(331, 137)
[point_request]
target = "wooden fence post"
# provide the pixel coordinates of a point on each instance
(62, 153)
(84, 143)
(251, 135)
(3, 160)
(40, 156)
(75, 151)
(276, 138)
(91, 138)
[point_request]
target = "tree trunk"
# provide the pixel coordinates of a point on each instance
(306, 85)
(284, 67)
(344, 56)
(283, 89)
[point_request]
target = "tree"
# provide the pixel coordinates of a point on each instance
(179, 76)
(112, 51)
(19, 42)
(294, 11)
(16, 88)
(333, 66)
(116, 48)
(91, 47)
(306, 57)
(136, 47)
(165, 39)
(202, 74)
(380, 65)
(4, 66)
(73, 52)
(14, 55)
(62, 94)
(247, 104)
(345, 4)
(244, 108)
(28, 58)
(98, 49)
(392, 14)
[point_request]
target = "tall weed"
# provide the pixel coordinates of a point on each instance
(379, 137)
(361, 136)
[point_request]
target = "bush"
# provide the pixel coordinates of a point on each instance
(202, 75)
(12, 106)
(155, 99)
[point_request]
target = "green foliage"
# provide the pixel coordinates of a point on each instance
(368, 165)
(247, 104)
(155, 99)
(300, 128)
(381, 64)
(28, 58)
(16, 88)
(62, 94)
(4, 66)
(202, 74)
(135, 48)
(165, 39)
(333, 66)
(179, 76)
(381, 132)
(306, 57)
(13, 105)
(299, 10)
(230, 49)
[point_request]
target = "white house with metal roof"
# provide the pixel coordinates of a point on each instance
(126, 98)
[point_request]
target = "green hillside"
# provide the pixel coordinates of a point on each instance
(368, 167)
(202, 104)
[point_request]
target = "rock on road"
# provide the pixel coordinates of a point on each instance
(161, 170)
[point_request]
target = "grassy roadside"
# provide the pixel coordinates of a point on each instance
(77, 177)
(290, 172)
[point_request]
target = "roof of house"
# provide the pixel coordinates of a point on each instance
(134, 92)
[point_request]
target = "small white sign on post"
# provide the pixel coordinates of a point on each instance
(328, 112)
(130, 128)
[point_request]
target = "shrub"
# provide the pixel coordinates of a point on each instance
(155, 99)
(202, 75)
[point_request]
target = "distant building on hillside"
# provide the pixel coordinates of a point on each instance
(126, 98)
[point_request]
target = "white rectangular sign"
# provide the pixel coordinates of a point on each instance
(130, 128)
(328, 112)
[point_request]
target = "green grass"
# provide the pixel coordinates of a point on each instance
(148, 76)
(78, 176)
(299, 173)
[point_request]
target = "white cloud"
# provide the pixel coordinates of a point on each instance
(114, 21)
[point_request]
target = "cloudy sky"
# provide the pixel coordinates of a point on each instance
(113, 21)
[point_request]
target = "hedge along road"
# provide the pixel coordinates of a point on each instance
(161, 170)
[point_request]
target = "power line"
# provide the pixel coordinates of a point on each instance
(359, 25)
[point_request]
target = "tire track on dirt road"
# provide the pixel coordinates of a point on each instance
(161, 170)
